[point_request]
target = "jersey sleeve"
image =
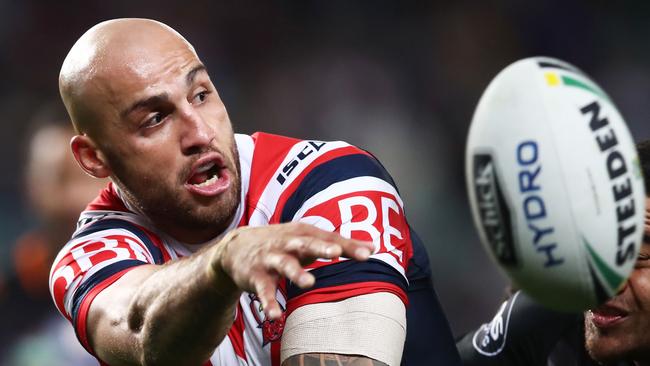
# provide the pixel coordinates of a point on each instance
(348, 191)
(521, 333)
(92, 260)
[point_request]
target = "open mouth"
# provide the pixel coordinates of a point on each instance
(209, 176)
(204, 176)
(607, 316)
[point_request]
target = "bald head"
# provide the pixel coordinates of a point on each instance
(108, 59)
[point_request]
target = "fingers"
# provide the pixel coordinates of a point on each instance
(281, 251)
(325, 244)
(359, 250)
(290, 268)
(266, 288)
(310, 247)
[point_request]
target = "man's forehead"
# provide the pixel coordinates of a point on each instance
(126, 47)
(133, 72)
(118, 61)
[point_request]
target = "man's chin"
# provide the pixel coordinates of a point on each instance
(607, 348)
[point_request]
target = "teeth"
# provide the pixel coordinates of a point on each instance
(208, 182)
(205, 168)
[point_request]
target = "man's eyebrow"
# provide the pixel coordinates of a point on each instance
(156, 99)
(145, 103)
(189, 78)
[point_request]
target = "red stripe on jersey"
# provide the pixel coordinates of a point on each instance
(58, 292)
(236, 333)
(266, 161)
(107, 200)
(342, 292)
(85, 307)
(276, 344)
(275, 352)
(330, 155)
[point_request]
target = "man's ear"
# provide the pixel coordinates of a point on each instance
(89, 158)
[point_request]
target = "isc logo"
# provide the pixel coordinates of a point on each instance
(290, 166)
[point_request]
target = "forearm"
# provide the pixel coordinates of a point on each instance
(172, 314)
(522, 333)
(178, 313)
(184, 311)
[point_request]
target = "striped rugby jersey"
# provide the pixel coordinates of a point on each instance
(332, 185)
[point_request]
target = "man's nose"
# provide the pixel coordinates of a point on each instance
(196, 132)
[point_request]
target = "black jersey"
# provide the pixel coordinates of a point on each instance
(523, 333)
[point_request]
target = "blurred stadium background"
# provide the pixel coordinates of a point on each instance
(399, 78)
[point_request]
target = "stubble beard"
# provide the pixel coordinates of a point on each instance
(596, 344)
(166, 208)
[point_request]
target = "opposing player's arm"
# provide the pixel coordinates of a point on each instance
(177, 313)
(328, 359)
(521, 333)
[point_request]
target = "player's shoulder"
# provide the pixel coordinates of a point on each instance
(278, 146)
(283, 167)
(107, 225)
(283, 159)
(108, 199)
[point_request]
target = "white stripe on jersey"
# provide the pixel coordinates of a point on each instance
(358, 184)
(255, 353)
(69, 295)
(269, 199)
(225, 355)
(245, 147)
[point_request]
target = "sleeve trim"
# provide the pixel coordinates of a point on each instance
(350, 272)
(342, 292)
(79, 319)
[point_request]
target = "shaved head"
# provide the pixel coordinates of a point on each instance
(148, 117)
(106, 56)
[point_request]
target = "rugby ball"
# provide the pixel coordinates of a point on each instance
(554, 182)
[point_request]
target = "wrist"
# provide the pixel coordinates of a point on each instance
(219, 277)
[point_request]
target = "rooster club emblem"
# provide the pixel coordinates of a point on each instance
(271, 329)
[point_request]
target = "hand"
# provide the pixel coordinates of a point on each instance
(256, 257)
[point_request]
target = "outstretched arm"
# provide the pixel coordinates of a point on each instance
(179, 312)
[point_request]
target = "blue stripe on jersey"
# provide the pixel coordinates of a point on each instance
(96, 279)
(330, 172)
(418, 266)
(350, 271)
(108, 224)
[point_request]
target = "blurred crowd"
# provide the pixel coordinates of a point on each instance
(399, 78)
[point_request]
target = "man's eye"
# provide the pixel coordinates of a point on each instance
(201, 96)
(153, 120)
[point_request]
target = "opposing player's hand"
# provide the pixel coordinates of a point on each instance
(255, 258)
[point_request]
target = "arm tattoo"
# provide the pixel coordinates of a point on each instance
(329, 359)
